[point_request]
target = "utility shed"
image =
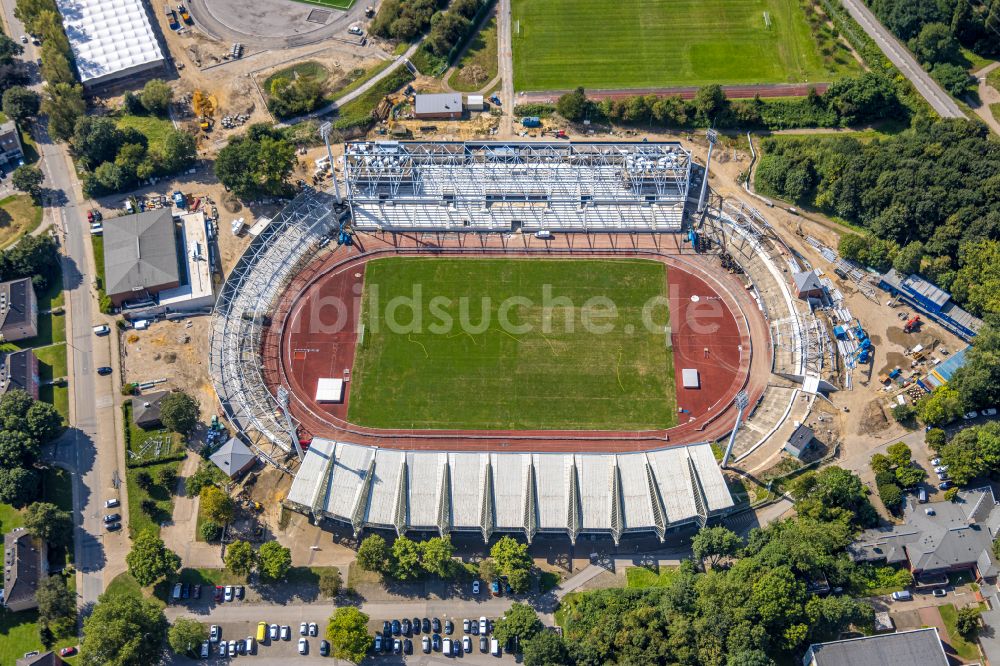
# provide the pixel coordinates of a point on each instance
(440, 106)
(140, 255)
(233, 458)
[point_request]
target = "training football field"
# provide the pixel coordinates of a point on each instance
(536, 348)
(561, 44)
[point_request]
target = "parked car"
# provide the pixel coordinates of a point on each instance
(902, 595)
(176, 594)
(397, 646)
(484, 627)
(249, 644)
(475, 586)
(112, 518)
(228, 593)
(446, 646)
(313, 629)
(355, 30)
(378, 642)
(239, 591)
(223, 649)
(286, 632)
(416, 625)
(436, 642)
(426, 642)
(214, 633)
(185, 591)
(405, 626)
(935, 462)
(274, 632)
(71, 650)
(114, 527)
(111, 503)
(233, 650)
(968, 416)
(196, 592)
(449, 627)
(218, 593)
(205, 649)
(945, 486)
(467, 643)
(396, 628)
(483, 644)
(303, 646)
(941, 468)
(103, 329)
(425, 626)
(495, 647)
(324, 648)
(303, 629)
(386, 628)
(436, 624)
(992, 411)
(104, 370)
(940, 592)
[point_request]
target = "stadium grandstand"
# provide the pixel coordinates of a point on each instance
(523, 493)
(531, 187)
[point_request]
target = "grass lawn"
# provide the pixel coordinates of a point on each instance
(564, 605)
(355, 82)
(993, 78)
(967, 650)
(641, 577)
(358, 112)
(144, 444)
(18, 216)
(548, 366)
(155, 129)
(330, 4)
(561, 44)
(58, 397)
(482, 54)
(137, 518)
(995, 110)
(123, 585)
(51, 362)
(309, 68)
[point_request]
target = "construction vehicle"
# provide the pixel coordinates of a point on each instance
(558, 134)
(184, 14)
(912, 325)
(495, 99)
(172, 18)
(179, 200)
(531, 121)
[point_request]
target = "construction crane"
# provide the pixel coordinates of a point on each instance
(912, 325)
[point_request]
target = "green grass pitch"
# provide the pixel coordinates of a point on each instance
(331, 4)
(561, 44)
(557, 376)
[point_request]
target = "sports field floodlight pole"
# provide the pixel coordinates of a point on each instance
(712, 136)
(324, 132)
(289, 424)
(742, 400)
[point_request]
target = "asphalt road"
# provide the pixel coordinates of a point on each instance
(88, 448)
(506, 68)
(900, 56)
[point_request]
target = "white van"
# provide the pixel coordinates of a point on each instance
(902, 595)
(103, 329)
(495, 647)
(446, 647)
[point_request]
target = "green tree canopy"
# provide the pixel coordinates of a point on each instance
(405, 559)
(941, 407)
(28, 179)
(186, 635)
(348, 634)
(373, 554)
(156, 96)
(573, 105)
(545, 648)
(216, 504)
(274, 560)
(435, 556)
(240, 558)
(520, 622)
(714, 543)
(150, 560)
(123, 630)
(49, 523)
(20, 103)
(179, 412)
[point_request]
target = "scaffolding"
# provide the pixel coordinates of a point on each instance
(500, 186)
(243, 311)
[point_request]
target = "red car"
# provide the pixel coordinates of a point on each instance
(67, 651)
(218, 593)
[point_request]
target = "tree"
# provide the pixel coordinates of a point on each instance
(207, 474)
(963, 457)
(519, 580)
(179, 412)
(708, 102)
(935, 438)
(435, 556)
(166, 477)
(941, 407)
(96, 140)
(123, 630)
(852, 246)
(330, 582)
(373, 554)
(892, 496)
(519, 622)
(49, 523)
(20, 103)
(935, 44)
(903, 413)
(149, 507)
(18, 486)
(56, 604)
(488, 569)
(509, 555)
(950, 494)
(144, 480)
(216, 504)
(28, 179)
(274, 560)
(17, 449)
(909, 475)
(899, 454)
(978, 381)
(240, 558)
(210, 531)
(405, 559)
(573, 105)
(833, 493)
(908, 259)
(178, 152)
(953, 78)
(967, 621)
(150, 560)
(156, 97)
(186, 635)
(43, 421)
(258, 162)
(546, 648)
(715, 543)
(347, 632)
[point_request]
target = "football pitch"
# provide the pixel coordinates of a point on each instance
(561, 44)
(531, 344)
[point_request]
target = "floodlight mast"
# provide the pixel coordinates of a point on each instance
(712, 136)
(324, 132)
(742, 401)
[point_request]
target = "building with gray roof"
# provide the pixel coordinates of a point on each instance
(18, 310)
(920, 647)
(41, 659)
(807, 285)
(140, 256)
(10, 143)
(233, 457)
(526, 493)
(939, 537)
(146, 409)
(24, 566)
(438, 106)
(19, 370)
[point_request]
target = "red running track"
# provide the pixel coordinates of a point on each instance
(313, 335)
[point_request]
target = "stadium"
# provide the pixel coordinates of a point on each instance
(505, 422)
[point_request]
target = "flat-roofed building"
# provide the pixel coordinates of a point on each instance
(140, 256)
(438, 106)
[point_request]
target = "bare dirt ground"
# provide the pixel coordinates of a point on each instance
(175, 351)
